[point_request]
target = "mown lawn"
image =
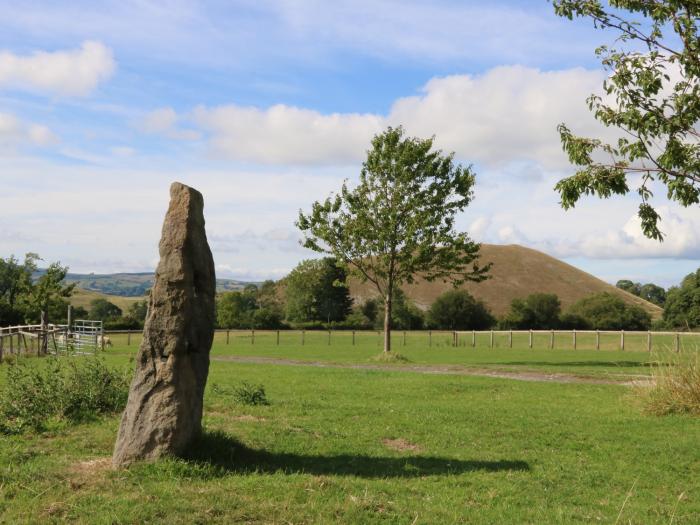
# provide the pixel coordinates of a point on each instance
(360, 446)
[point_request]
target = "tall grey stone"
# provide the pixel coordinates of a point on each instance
(164, 410)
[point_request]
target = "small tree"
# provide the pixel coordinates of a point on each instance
(538, 311)
(653, 97)
(605, 311)
(458, 310)
(682, 308)
(398, 222)
(103, 310)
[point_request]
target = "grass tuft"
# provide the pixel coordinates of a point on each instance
(391, 357)
(676, 386)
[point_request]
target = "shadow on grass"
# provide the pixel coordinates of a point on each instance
(229, 455)
(611, 364)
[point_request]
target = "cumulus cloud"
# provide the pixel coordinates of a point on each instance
(70, 73)
(288, 135)
(508, 114)
(165, 121)
(14, 133)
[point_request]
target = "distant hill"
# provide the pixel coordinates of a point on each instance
(517, 272)
(133, 284)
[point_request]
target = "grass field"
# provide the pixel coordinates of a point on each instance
(376, 446)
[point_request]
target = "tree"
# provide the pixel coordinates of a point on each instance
(653, 97)
(398, 223)
(103, 310)
(137, 311)
(236, 309)
(316, 290)
(405, 315)
(682, 307)
(605, 311)
(629, 286)
(653, 293)
(458, 310)
(538, 311)
(15, 284)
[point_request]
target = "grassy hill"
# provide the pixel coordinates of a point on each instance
(517, 272)
(83, 298)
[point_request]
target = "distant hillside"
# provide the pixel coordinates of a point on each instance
(517, 272)
(83, 298)
(133, 284)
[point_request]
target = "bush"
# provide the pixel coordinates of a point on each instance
(605, 311)
(71, 391)
(458, 310)
(676, 388)
(249, 394)
(538, 311)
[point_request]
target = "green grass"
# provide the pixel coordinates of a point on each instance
(609, 361)
(474, 450)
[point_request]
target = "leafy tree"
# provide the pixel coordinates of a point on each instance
(653, 97)
(15, 284)
(398, 223)
(236, 309)
(629, 286)
(103, 310)
(405, 315)
(653, 293)
(370, 309)
(682, 308)
(137, 311)
(316, 290)
(458, 310)
(605, 311)
(538, 311)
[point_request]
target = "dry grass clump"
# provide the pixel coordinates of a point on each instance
(676, 386)
(391, 357)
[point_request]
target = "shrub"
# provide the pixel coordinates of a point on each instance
(56, 390)
(538, 311)
(605, 311)
(458, 310)
(249, 394)
(676, 387)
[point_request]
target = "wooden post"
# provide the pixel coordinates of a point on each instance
(473, 338)
(128, 338)
(551, 340)
(353, 338)
(574, 332)
(302, 337)
(12, 350)
(252, 336)
(510, 338)
(649, 341)
(529, 341)
(329, 338)
(456, 339)
(430, 338)
(228, 336)
(597, 339)
(43, 342)
(678, 342)
(491, 340)
(622, 340)
(278, 337)
(404, 338)
(2, 340)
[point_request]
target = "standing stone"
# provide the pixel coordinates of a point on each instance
(164, 410)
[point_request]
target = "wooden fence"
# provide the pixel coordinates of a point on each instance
(542, 339)
(32, 338)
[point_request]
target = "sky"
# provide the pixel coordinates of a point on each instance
(267, 106)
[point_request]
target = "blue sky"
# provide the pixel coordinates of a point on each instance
(266, 106)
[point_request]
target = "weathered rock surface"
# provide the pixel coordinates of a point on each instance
(164, 410)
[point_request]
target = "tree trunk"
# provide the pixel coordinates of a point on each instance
(387, 324)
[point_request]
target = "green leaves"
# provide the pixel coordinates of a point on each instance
(652, 96)
(398, 222)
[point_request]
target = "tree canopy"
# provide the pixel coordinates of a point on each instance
(605, 311)
(682, 308)
(652, 96)
(398, 222)
(458, 310)
(538, 311)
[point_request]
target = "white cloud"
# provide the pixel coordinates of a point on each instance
(71, 73)
(14, 133)
(288, 135)
(164, 121)
(506, 115)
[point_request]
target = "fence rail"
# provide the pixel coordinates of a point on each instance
(551, 339)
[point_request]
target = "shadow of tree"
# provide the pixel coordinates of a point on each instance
(229, 455)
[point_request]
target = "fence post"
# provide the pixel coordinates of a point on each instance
(12, 350)
(353, 338)
(252, 336)
(2, 339)
(473, 338)
(510, 338)
(529, 341)
(491, 340)
(404, 338)
(456, 339)
(329, 338)
(622, 340)
(302, 338)
(649, 341)
(678, 342)
(574, 331)
(128, 337)
(597, 339)
(551, 340)
(430, 338)
(228, 335)
(278, 337)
